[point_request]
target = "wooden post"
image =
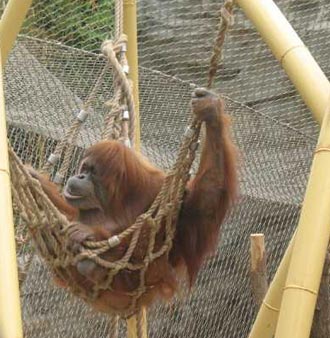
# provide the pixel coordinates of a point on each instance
(258, 268)
(266, 321)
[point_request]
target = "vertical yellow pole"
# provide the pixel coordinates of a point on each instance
(291, 52)
(311, 242)
(11, 23)
(258, 267)
(10, 315)
(132, 326)
(130, 29)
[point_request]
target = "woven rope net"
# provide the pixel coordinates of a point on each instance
(52, 71)
(49, 228)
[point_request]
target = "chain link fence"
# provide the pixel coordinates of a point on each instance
(51, 71)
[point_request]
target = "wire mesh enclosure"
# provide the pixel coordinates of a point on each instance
(51, 71)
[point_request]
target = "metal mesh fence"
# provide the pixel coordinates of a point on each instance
(53, 68)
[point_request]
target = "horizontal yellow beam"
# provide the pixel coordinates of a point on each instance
(291, 52)
(10, 315)
(10, 25)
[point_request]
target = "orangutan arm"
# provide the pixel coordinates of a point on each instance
(211, 192)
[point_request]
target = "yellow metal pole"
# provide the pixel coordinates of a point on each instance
(311, 242)
(130, 29)
(265, 323)
(291, 52)
(10, 314)
(132, 326)
(11, 23)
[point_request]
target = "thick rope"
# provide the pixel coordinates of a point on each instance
(119, 122)
(123, 95)
(227, 20)
(119, 18)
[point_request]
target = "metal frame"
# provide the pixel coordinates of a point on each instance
(10, 313)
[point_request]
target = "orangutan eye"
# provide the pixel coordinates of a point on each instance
(85, 168)
(92, 170)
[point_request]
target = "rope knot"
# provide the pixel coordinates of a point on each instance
(106, 46)
(118, 46)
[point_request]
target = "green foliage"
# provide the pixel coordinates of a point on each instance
(73, 22)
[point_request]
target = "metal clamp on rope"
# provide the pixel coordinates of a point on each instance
(125, 116)
(127, 143)
(82, 116)
(125, 69)
(189, 132)
(123, 47)
(194, 145)
(113, 241)
(53, 159)
(58, 179)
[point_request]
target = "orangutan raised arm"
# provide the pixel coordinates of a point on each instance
(211, 192)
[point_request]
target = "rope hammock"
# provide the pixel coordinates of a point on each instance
(49, 228)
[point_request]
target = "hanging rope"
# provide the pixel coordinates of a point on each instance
(121, 106)
(119, 18)
(227, 20)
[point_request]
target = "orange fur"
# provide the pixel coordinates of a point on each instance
(132, 183)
